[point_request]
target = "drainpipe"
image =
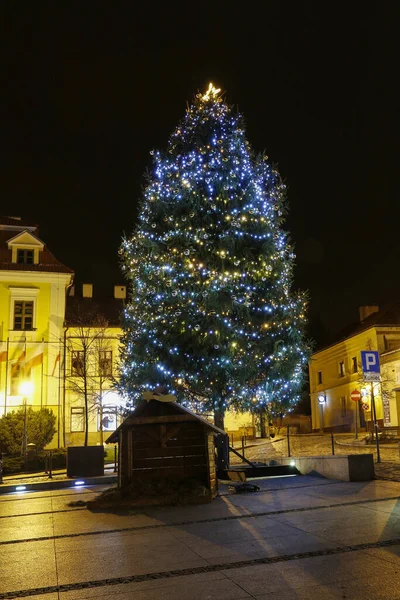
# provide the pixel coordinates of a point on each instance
(64, 374)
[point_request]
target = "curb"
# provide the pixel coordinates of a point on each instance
(6, 488)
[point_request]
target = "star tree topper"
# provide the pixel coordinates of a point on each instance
(211, 93)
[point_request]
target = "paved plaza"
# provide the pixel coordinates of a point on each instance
(299, 537)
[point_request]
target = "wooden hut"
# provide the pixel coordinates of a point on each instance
(164, 441)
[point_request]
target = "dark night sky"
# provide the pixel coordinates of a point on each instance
(88, 93)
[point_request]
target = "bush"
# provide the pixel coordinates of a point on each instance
(40, 429)
(12, 464)
(16, 464)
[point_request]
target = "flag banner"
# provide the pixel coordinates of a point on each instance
(17, 359)
(35, 357)
(55, 364)
(3, 352)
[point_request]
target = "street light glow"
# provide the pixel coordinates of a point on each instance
(26, 388)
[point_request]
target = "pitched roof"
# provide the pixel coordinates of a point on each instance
(168, 407)
(386, 317)
(86, 311)
(48, 262)
(16, 222)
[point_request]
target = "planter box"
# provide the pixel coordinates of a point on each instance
(85, 461)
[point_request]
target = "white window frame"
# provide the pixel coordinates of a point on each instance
(354, 364)
(22, 294)
(107, 410)
(342, 372)
(77, 410)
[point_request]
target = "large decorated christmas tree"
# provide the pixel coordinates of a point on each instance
(211, 315)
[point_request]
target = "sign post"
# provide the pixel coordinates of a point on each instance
(356, 397)
(372, 372)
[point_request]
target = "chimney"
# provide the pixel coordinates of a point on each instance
(87, 290)
(120, 292)
(366, 311)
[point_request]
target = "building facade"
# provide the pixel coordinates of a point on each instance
(33, 285)
(335, 372)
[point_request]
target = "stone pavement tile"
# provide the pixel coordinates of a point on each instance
(356, 491)
(313, 592)
(27, 566)
(116, 541)
(222, 531)
(103, 563)
(218, 509)
(375, 587)
(183, 582)
(338, 520)
(384, 506)
(25, 507)
(390, 554)
(307, 573)
(221, 589)
(278, 546)
(270, 502)
(360, 532)
(19, 528)
(85, 521)
(315, 516)
(41, 597)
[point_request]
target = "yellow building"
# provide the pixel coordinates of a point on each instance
(33, 286)
(91, 350)
(335, 371)
(59, 345)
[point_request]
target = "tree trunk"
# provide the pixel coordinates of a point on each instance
(85, 393)
(263, 430)
(219, 419)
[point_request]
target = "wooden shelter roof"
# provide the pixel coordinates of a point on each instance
(174, 413)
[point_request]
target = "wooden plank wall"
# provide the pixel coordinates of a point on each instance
(212, 465)
(176, 451)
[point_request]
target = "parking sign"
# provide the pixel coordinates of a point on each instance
(370, 365)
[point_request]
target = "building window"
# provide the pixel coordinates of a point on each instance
(25, 257)
(77, 415)
(23, 315)
(342, 371)
(108, 418)
(15, 379)
(319, 377)
(343, 407)
(354, 362)
(77, 363)
(105, 363)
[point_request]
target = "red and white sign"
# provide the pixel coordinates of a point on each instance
(355, 396)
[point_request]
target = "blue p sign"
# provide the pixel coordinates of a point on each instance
(370, 361)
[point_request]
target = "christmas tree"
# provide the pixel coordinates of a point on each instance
(211, 316)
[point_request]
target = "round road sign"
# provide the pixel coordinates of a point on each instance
(355, 395)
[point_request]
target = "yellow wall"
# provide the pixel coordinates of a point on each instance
(107, 340)
(235, 421)
(47, 290)
(334, 387)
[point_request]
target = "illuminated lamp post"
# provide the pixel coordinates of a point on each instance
(321, 402)
(25, 389)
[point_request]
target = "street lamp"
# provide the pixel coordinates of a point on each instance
(25, 389)
(321, 402)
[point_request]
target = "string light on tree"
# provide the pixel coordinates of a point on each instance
(211, 316)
